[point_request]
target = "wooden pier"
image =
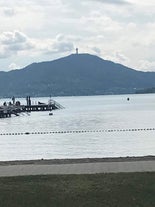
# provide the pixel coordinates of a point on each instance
(7, 111)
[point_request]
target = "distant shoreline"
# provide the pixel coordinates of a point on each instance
(78, 160)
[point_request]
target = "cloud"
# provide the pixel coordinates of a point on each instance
(96, 50)
(115, 2)
(9, 12)
(144, 2)
(61, 44)
(13, 42)
(16, 43)
(13, 66)
(99, 23)
(4, 52)
(123, 30)
(121, 57)
(8, 38)
(146, 65)
(62, 47)
(118, 57)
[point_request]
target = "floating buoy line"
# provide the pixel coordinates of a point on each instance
(78, 131)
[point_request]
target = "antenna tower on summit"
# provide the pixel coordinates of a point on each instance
(77, 51)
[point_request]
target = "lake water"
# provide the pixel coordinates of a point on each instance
(92, 116)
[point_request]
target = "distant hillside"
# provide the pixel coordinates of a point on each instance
(81, 74)
(146, 90)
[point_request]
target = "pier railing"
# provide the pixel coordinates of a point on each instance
(56, 104)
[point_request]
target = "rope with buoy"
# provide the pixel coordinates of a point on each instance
(78, 131)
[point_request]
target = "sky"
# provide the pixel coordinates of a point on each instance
(122, 31)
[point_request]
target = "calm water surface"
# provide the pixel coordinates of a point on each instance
(88, 113)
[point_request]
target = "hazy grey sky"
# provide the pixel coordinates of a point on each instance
(38, 30)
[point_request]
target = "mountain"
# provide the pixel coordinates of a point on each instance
(76, 74)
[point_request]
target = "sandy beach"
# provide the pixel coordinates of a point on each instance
(77, 166)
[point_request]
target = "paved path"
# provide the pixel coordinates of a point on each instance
(79, 168)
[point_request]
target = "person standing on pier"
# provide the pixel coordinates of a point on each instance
(28, 100)
(13, 100)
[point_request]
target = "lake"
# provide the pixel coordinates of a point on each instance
(88, 126)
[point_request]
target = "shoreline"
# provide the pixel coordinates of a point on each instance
(77, 160)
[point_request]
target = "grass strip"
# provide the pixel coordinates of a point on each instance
(109, 190)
